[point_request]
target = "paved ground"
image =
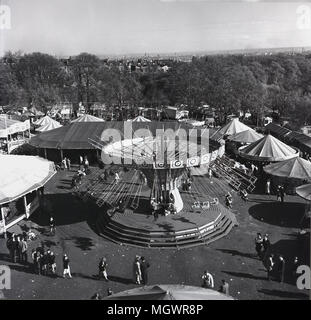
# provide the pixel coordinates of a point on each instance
(230, 258)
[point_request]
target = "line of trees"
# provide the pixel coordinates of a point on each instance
(229, 83)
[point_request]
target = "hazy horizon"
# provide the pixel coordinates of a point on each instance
(125, 27)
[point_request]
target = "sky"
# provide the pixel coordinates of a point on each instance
(68, 27)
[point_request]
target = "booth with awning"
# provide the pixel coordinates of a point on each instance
(13, 133)
(21, 183)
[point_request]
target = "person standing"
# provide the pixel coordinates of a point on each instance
(64, 163)
(278, 193)
(81, 160)
(137, 270)
(68, 164)
(19, 249)
(52, 263)
(224, 288)
(282, 193)
(259, 245)
(208, 280)
(281, 268)
(294, 269)
(144, 266)
(109, 292)
(36, 256)
(268, 186)
(45, 262)
(116, 177)
(52, 226)
(66, 266)
(86, 163)
(24, 248)
(10, 246)
(102, 269)
(266, 243)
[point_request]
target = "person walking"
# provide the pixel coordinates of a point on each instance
(259, 245)
(224, 287)
(102, 269)
(66, 266)
(137, 270)
(281, 268)
(52, 226)
(228, 200)
(208, 280)
(144, 266)
(52, 263)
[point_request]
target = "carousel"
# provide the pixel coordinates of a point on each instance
(149, 196)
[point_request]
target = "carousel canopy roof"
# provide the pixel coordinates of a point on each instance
(44, 121)
(21, 175)
(297, 168)
(233, 127)
(268, 149)
(247, 136)
(304, 191)
(50, 126)
(169, 292)
(88, 118)
(79, 135)
(141, 119)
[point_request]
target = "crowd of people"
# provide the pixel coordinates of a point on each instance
(274, 263)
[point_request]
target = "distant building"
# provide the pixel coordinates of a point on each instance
(306, 130)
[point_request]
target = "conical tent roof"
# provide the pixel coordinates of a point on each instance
(49, 126)
(43, 121)
(304, 191)
(141, 119)
(297, 168)
(268, 149)
(169, 292)
(88, 118)
(233, 127)
(247, 136)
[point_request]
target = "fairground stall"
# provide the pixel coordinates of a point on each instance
(13, 133)
(22, 179)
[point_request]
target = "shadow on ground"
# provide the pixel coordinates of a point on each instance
(66, 209)
(287, 214)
